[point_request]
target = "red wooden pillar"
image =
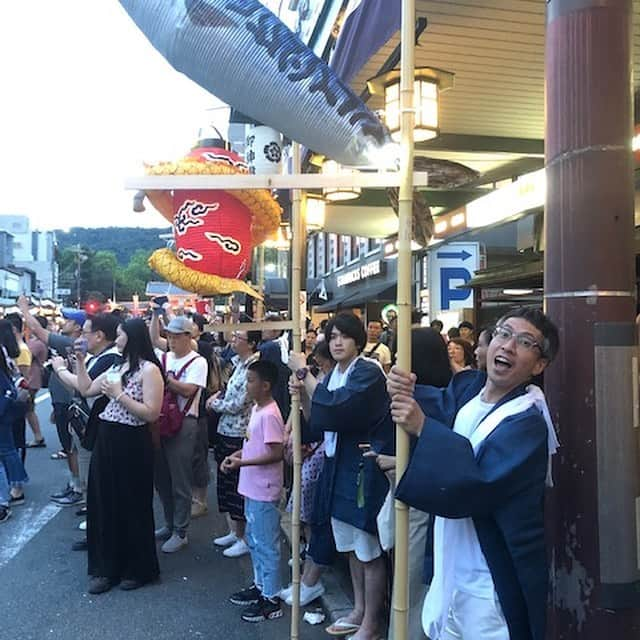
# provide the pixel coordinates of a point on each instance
(589, 292)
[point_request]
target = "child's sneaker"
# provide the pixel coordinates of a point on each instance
(250, 595)
(264, 609)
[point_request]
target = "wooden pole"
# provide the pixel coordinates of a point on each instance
(296, 278)
(405, 206)
(260, 303)
(590, 289)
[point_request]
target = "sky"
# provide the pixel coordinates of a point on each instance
(85, 101)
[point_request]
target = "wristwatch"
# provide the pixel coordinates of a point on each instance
(301, 374)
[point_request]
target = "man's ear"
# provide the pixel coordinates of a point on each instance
(539, 367)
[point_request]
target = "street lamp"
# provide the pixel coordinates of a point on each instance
(428, 83)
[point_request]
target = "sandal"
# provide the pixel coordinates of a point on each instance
(36, 444)
(59, 455)
(342, 628)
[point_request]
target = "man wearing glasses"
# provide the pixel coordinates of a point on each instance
(480, 465)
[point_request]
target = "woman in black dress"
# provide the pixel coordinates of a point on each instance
(120, 527)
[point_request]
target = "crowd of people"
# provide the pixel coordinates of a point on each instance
(139, 402)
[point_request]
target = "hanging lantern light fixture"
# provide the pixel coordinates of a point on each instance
(335, 194)
(315, 212)
(428, 83)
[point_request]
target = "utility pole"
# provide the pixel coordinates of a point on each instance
(590, 292)
(80, 258)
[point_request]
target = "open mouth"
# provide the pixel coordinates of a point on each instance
(502, 364)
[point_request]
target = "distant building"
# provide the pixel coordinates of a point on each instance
(43, 248)
(19, 228)
(6, 249)
(32, 256)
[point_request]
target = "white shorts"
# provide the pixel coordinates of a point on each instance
(349, 538)
(473, 618)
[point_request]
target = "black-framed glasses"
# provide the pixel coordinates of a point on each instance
(526, 341)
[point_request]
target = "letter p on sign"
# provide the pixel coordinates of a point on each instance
(450, 278)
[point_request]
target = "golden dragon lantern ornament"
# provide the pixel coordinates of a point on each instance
(214, 230)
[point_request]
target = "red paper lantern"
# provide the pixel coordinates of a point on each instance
(212, 231)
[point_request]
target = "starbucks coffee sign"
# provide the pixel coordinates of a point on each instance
(363, 272)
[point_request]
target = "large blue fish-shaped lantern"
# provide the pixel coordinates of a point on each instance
(242, 53)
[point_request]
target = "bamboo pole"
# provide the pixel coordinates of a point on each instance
(260, 303)
(296, 278)
(405, 206)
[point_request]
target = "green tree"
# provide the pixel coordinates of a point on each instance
(134, 277)
(99, 273)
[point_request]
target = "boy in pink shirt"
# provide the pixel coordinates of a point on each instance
(261, 479)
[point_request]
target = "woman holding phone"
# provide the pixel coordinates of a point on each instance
(120, 528)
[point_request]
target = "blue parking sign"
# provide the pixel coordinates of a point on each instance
(451, 266)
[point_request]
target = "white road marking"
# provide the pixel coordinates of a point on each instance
(30, 526)
(43, 397)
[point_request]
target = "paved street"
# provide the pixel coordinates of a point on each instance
(43, 583)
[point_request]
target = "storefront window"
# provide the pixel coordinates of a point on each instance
(333, 252)
(346, 248)
(311, 257)
(321, 259)
(355, 247)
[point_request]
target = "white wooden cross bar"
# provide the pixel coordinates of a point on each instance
(304, 181)
(228, 327)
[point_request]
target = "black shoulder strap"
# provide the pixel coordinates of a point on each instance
(369, 353)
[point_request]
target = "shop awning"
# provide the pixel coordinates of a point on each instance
(381, 291)
(156, 288)
(522, 273)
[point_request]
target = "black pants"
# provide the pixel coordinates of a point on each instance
(120, 527)
(61, 417)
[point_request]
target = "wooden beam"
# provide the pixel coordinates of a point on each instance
(449, 199)
(228, 327)
(510, 170)
(374, 180)
(483, 144)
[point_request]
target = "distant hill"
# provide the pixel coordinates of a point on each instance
(123, 241)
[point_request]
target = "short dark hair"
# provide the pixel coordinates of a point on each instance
(42, 321)
(107, 323)
(254, 337)
(465, 324)
(349, 325)
(437, 325)
(488, 331)
(266, 370)
(322, 349)
(542, 322)
(199, 321)
(453, 332)
(16, 321)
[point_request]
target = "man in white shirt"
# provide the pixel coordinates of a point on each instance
(186, 377)
(375, 349)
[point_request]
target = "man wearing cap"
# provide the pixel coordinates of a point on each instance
(186, 376)
(62, 344)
